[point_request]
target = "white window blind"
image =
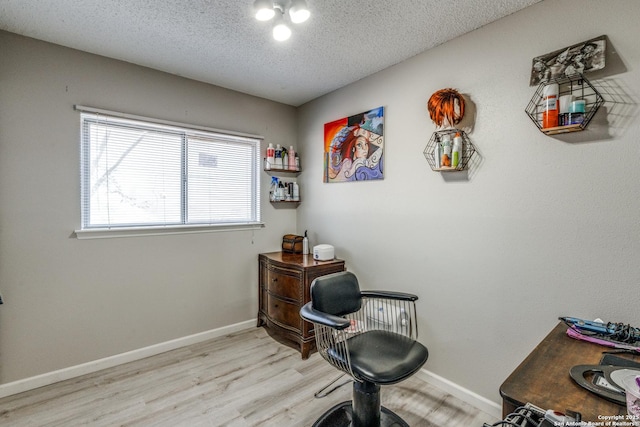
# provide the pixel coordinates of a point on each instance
(142, 174)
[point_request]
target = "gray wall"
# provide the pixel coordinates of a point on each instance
(538, 228)
(71, 301)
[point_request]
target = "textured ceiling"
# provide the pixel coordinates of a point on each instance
(219, 41)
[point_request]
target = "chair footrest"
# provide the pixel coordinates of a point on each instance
(341, 416)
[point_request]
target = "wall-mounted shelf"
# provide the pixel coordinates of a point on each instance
(581, 89)
(276, 171)
(282, 172)
(273, 171)
(285, 204)
(467, 150)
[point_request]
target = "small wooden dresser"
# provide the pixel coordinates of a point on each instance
(284, 281)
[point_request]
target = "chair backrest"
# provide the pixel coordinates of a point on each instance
(336, 293)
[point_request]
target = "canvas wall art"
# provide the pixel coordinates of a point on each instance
(580, 58)
(354, 147)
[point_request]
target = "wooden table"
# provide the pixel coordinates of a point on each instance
(543, 378)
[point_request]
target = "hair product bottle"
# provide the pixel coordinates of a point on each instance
(456, 152)
(296, 192)
(289, 189)
(281, 194)
(446, 150)
(271, 153)
(292, 159)
(565, 103)
(278, 157)
(576, 112)
(550, 106)
(305, 244)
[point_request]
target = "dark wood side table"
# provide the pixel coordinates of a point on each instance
(543, 378)
(284, 281)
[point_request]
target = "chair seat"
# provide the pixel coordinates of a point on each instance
(383, 357)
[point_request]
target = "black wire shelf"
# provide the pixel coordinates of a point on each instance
(581, 89)
(467, 150)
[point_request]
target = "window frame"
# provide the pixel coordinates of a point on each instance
(87, 231)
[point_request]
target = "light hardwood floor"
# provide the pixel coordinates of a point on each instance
(243, 379)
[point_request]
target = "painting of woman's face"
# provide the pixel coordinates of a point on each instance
(361, 148)
(354, 147)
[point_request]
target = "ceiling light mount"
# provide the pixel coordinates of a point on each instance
(266, 10)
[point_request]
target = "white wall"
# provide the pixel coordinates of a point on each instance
(70, 301)
(538, 228)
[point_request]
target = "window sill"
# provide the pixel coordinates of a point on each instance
(106, 233)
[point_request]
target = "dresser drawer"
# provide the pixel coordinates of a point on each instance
(284, 313)
(285, 283)
(283, 288)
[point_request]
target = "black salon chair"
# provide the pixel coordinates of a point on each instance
(370, 335)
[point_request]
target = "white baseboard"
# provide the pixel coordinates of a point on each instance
(30, 383)
(8, 389)
(492, 408)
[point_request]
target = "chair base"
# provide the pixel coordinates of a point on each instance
(341, 415)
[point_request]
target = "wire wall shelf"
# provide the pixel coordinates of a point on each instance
(581, 89)
(436, 139)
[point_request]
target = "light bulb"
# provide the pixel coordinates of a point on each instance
(281, 31)
(299, 12)
(264, 10)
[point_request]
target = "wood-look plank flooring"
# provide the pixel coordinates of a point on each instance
(243, 379)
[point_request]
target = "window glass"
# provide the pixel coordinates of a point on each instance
(137, 174)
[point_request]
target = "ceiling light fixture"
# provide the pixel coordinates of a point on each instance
(268, 9)
(299, 12)
(264, 10)
(281, 31)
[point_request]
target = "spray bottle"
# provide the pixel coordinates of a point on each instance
(273, 189)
